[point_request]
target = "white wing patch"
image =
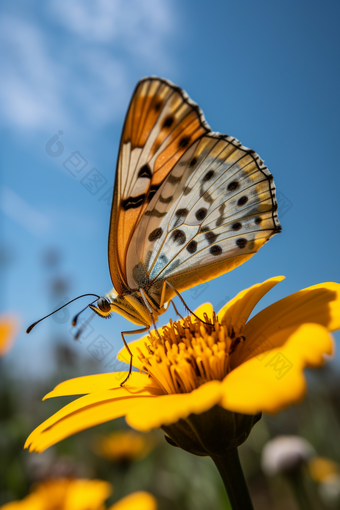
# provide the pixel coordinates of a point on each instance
(216, 203)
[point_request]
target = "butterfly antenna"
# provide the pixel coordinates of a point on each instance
(29, 329)
(84, 325)
(75, 318)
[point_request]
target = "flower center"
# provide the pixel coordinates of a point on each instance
(189, 353)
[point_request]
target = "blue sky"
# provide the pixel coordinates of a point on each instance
(264, 72)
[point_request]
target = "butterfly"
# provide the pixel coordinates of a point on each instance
(188, 205)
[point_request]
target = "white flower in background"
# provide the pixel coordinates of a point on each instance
(284, 454)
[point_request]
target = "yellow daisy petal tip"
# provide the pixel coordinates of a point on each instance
(236, 312)
(204, 308)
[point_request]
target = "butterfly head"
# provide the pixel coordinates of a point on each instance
(103, 308)
(129, 306)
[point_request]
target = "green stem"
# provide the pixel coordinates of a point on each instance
(235, 484)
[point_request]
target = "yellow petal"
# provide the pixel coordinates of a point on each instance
(30, 502)
(8, 329)
(85, 412)
(204, 308)
(124, 445)
(100, 382)
(123, 354)
(321, 468)
(66, 494)
(166, 409)
(236, 312)
(272, 382)
(136, 501)
(85, 494)
(318, 304)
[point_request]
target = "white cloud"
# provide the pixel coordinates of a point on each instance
(108, 20)
(76, 65)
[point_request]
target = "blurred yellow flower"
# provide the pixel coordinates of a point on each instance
(225, 372)
(78, 494)
(124, 446)
(8, 329)
(64, 494)
(322, 469)
(136, 501)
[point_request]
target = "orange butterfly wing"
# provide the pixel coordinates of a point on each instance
(160, 125)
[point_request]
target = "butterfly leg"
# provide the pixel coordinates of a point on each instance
(135, 331)
(173, 304)
(147, 304)
(184, 303)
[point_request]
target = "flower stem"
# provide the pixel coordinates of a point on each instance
(232, 475)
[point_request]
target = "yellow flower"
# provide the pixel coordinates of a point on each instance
(69, 494)
(136, 501)
(322, 469)
(64, 494)
(8, 328)
(206, 385)
(124, 446)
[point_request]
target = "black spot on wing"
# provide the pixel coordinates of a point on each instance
(258, 220)
(242, 242)
(236, 226)
(192, 247)
(152, 191)
(165, 200)
(215, 250)
(233, 185)
(220, 220)
(208, 176)
(168, 121)
(206, 196)
(155, 234)
(155, 213)
(145, 172)
(181, 213)
(211, 237)
(193, 161)
(201, 213)
(173, 180)
(184, 142)
(178, 236)
(242, 201)
(133, 202)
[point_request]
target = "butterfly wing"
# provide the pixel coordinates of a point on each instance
(161, 123)
(214, 211)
